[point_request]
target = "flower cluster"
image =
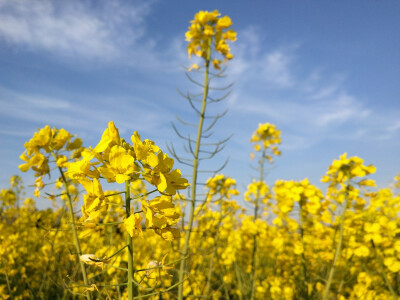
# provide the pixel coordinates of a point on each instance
(344, 169)
(266, 139)
(208, 31)
(45, 143)
(117, 161)
(295, 240)
(222, 185)
(257, 191)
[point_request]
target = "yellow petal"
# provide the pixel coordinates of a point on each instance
(163, 183)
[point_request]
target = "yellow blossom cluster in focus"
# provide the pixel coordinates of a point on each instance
(117, 161)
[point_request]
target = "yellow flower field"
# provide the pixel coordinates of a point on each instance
(126, 224)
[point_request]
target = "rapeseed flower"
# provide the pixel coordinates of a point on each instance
(208, 31)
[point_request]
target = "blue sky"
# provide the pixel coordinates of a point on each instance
(324, 72)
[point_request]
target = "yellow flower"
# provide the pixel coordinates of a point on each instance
(216, 63)
(222, 185)
(145, 151)
(39, 184)
(61, 137)
(193, 67)
(62, 161)
(367, 182)
(110, 137)
(169, 233)
(346, 169)
(121, 166)
(133, 226)
(40, 140)
(362, 251)
(163, 178)
(77, 143)
(160, 212)
(210, 31)
(81, 169)
(93, 200)
(38, 162)
(224, 22)
(392, 264)
(266, 138)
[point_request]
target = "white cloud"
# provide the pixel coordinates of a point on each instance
(269, 68)
(274, 69)
(393, 127)
(338, 110)
(98, 29)
(303, 116)
(87, 116)
(324, 92)
(310, 108)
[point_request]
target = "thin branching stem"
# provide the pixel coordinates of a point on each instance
(339, 245)
(383, 273)
(195, 173)
(255, 217)
(129, 241)
(74, 232)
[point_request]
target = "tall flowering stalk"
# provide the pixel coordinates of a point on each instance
(46, 143)
(265, 141)
(222, 188)
(208, 37)
(117, 161)
(340, 176)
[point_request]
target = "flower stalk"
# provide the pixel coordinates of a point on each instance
(339, 245)
(129, 241)
(384, 275)
(74, 232)
(185, 250)
(255, 217)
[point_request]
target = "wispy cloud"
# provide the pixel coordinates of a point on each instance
(394, 127)
(274, 69)
(36, 110)
(337, 110)
(310, 107)
(98, 29)
(271, 68)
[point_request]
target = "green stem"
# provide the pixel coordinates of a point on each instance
(107, 258)
(114, 194)
(49, 258)
(115, 267)
(303, 256)
(8, 285)
(106, 224)
(118, 287)
(384, 275)
(159, 292)
(211, 265)
(256, 208)
(129, 241)
(239, 279)
(74, 232)
(195, 173)
(338, 247)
